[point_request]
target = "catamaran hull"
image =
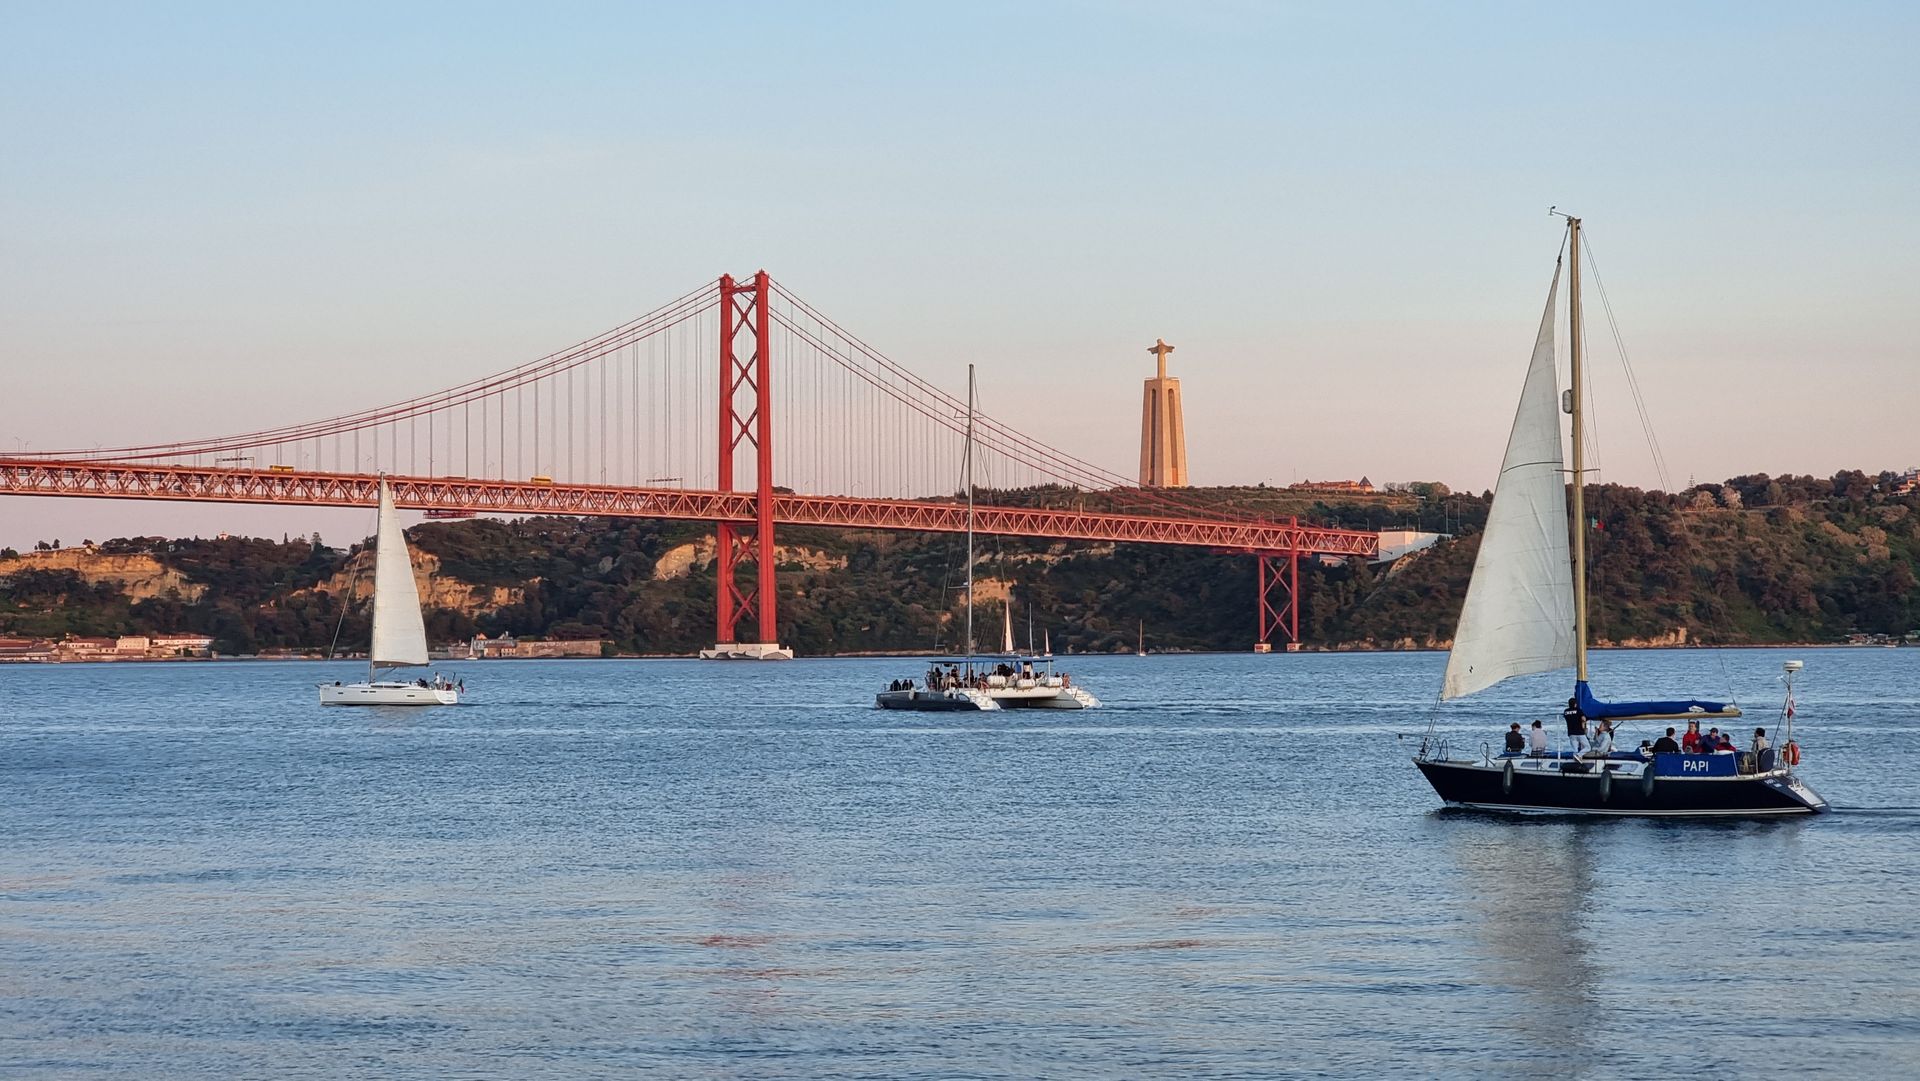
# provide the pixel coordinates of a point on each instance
(1493, 787)
(1042, 698)
(935, 701)
(386, 694)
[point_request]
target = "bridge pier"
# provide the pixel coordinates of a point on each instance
(746, 416)
(1278, 598)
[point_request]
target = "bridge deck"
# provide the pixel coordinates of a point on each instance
(115, 480)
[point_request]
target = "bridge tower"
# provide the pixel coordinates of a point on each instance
(746, 416)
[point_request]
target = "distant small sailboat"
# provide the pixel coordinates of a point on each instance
(399, 630)
(1140, 648)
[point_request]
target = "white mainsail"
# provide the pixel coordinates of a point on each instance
(1006, 628)
(1518, 618)
(399, 632)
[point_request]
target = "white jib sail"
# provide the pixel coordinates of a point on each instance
(1006, 628)
(1518, 618)
(399, 632)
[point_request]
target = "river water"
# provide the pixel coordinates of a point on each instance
(600, 868)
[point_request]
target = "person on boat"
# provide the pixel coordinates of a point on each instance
(1710, 743)
(1760, 740)
(1603, 739)
(1515, 741)
(1665, 744)
(1725, 745)
(1537, 740)
(1762, 751)
(1576, 725)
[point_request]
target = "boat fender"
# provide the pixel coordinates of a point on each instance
(1646, 783)
(1606, 785)
(1790, 754)
(1506, 779)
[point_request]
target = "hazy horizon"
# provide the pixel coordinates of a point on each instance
(228, 220)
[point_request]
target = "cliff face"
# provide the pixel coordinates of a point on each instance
(684, 559)
(137, 575)
(437, 590)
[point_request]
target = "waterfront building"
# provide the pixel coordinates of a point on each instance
(507, 646)
(180, 645)
(25, 649)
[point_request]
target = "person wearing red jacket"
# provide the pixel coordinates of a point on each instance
(1690, 743)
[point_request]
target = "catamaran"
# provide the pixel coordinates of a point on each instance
(1525, 614)
(1016, 682)
(399, 631)
(949, 690)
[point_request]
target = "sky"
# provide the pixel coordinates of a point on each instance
(219, 218)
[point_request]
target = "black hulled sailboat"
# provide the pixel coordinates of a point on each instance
(1525, 613)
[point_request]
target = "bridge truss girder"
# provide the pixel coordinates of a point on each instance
(1277, 546)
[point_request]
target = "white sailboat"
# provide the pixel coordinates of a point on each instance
(399, 630)
(1526, 613)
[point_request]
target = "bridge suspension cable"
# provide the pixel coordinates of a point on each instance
(631, 406)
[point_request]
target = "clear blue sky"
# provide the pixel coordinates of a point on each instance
(224, 217)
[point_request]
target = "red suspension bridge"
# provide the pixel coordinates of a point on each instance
(624, 424)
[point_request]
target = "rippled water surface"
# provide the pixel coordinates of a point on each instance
(743, 871)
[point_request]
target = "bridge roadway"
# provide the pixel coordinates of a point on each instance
(117, 480)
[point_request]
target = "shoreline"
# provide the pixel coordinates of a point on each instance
(912, 654)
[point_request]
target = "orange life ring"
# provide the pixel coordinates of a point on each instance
(1790, 754)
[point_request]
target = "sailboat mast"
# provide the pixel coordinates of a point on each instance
(1577, 408)
(967, 474)
(373, 625)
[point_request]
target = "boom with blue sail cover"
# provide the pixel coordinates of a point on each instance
(1675, 709)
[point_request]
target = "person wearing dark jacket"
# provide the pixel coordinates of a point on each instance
(1666, 744)
(1576, 724)
(1515, 741)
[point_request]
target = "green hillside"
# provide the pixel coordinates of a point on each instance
(1758, 559)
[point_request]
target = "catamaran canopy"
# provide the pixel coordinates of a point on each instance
(1676, 709)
